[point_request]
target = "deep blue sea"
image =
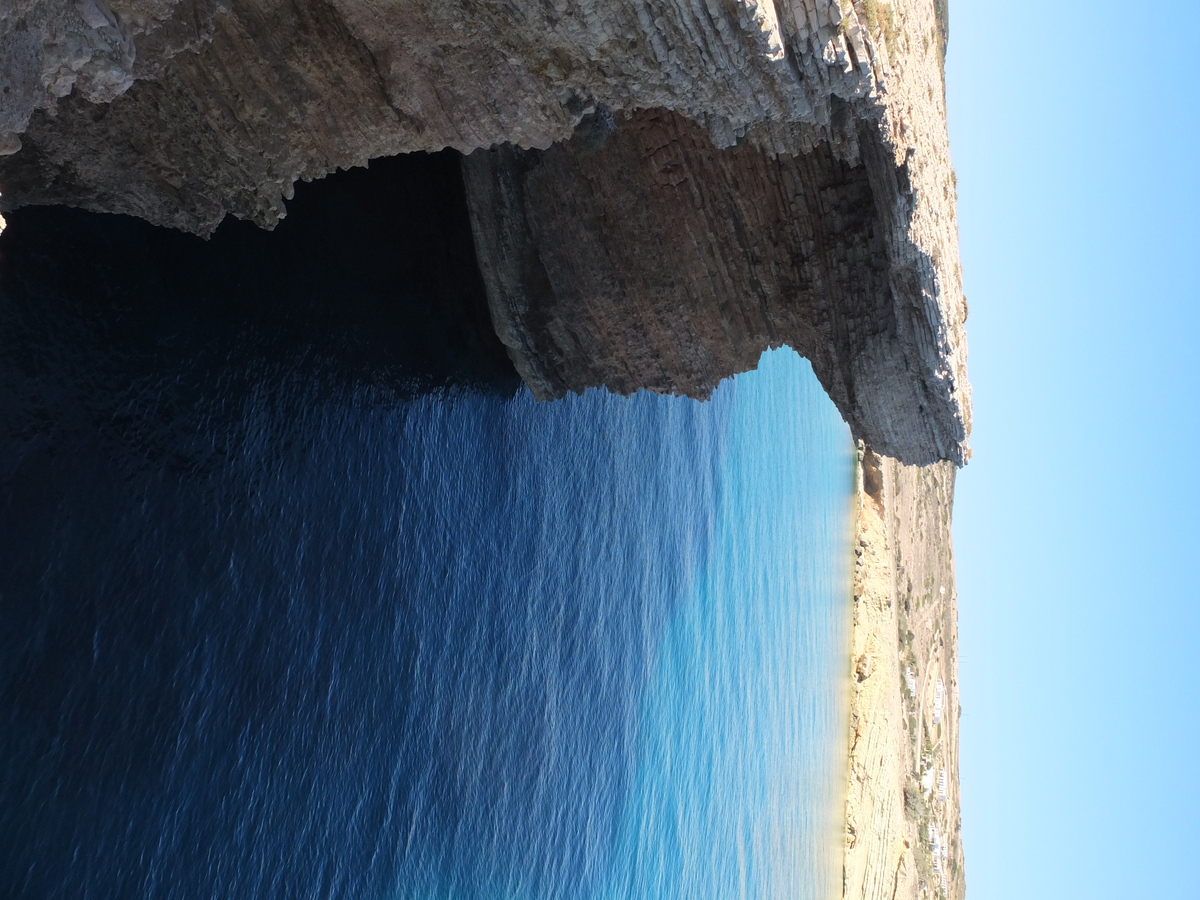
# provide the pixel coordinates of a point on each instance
(270, 630)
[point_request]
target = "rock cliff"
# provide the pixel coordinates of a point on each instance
(661, 190)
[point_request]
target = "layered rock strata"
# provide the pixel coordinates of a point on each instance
(798, 145)
(656, 261)
(244, 96)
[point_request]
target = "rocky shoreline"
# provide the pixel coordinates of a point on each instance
(902, 802)
(670, 190)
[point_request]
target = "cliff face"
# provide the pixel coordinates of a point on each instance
(657, 261)
(226, 102)
(745, 172)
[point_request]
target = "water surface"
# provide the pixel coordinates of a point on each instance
(281, 616)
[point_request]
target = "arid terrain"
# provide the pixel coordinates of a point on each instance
(902, 805)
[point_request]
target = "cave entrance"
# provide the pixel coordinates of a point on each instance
(372, 276)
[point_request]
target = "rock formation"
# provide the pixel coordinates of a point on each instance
(659, 190)
(672, 186)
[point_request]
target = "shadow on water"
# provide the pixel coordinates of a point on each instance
(136, 347)
(372, 277)
(299, 594)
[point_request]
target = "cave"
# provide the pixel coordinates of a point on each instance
(654, 201)
(636, 255)
(371, 277)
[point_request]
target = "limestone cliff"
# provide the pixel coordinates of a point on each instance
(657, 261)
(743, 173)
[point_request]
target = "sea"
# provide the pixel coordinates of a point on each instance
(302, 595)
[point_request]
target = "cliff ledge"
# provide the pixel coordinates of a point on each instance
(659, 191)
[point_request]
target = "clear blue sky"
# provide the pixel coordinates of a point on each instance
(1074, 129)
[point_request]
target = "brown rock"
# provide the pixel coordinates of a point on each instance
(659, 262)
(784, 177)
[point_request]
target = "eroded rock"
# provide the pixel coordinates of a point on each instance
(801, 145)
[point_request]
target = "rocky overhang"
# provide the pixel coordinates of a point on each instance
(659, 191)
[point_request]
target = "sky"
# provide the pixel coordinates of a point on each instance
(1075, 136)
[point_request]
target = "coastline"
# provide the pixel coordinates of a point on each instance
(902, 825)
